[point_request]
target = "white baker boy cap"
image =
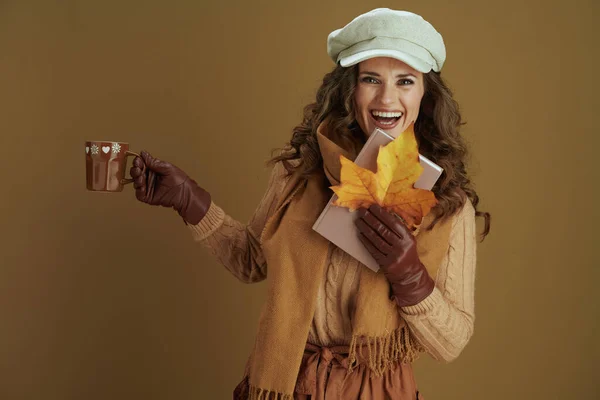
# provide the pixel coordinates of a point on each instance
(388, 33)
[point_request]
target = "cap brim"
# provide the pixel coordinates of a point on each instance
(412, 61)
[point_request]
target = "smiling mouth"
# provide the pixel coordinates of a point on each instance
(385, 119)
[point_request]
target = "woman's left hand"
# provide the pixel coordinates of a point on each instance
(394, 248)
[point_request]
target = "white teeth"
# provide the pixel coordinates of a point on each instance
(387, 114)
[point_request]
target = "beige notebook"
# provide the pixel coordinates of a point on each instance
(337, 223)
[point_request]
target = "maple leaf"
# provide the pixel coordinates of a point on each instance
(392, 186)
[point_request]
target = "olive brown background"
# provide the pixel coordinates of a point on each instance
(103, 297)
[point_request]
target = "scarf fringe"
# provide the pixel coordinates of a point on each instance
(384, 352)
(265, 394)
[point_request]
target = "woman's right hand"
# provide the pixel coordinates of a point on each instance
(160, 183)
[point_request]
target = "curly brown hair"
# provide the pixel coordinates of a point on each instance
(436, 131)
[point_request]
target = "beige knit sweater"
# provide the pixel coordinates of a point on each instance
(442, 323)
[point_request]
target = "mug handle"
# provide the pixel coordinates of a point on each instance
(127, 154)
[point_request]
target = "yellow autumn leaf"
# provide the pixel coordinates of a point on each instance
(392, 186)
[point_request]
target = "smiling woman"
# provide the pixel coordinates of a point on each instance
(388, 95)
(331, 327)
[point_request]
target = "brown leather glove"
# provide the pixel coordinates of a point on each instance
(395, 250)
(160, 183)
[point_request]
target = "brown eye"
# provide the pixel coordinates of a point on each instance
(368, 79)
(406, 82)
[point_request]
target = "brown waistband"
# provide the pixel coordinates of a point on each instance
(329, 367)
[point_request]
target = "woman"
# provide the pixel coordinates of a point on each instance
(332, 328)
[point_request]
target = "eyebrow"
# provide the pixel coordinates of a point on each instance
(377, 75)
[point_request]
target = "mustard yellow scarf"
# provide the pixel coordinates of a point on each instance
(296, 257)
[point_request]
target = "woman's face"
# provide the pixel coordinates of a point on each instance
(388, 95)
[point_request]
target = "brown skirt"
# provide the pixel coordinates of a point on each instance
(323, 375)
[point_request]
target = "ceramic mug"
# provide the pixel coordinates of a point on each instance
(105, 164)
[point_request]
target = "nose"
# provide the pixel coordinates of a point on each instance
(387, 94)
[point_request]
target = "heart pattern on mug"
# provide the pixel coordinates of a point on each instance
(105, 149)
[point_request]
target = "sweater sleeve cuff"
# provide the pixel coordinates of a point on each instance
(425, 306)
(212, 220)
